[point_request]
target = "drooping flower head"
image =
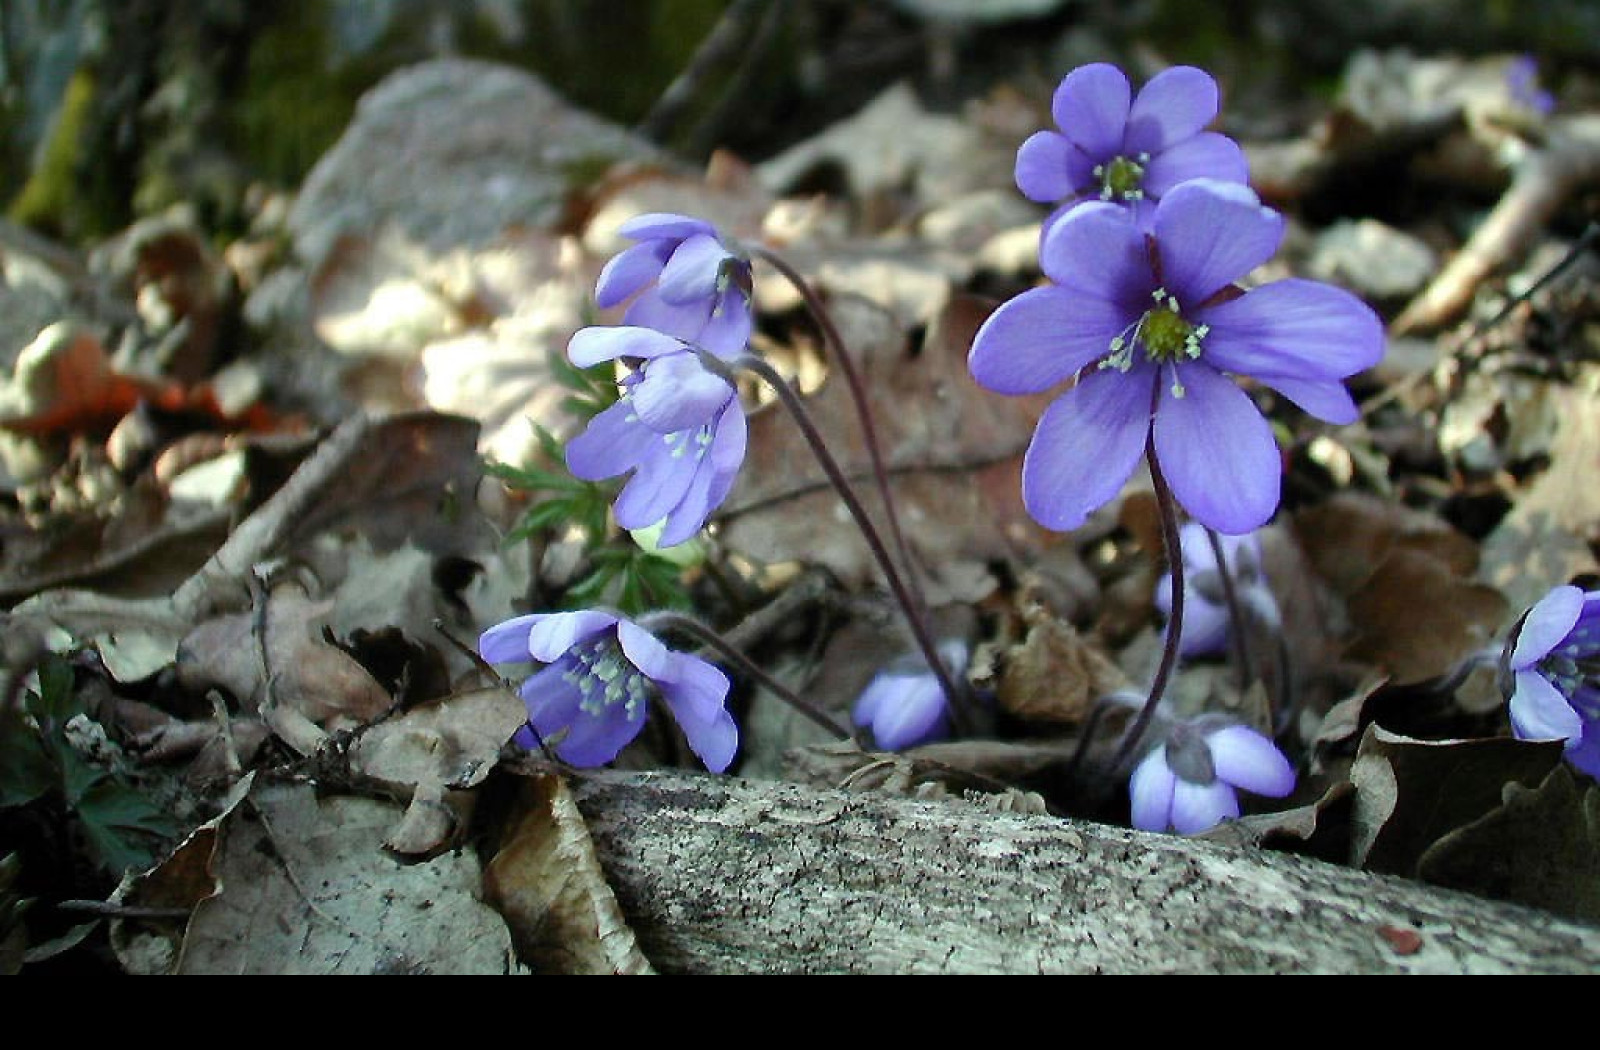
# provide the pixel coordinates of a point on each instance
(677, 427)
(1206, 619)
(1153, 326)
(904, 704)
(1551, 674)
(1125, 149)
(1192, 781)
(603, 672)
(689, 283)
(1522, 79)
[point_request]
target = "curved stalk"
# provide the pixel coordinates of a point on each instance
(1169, 652)
(730, 652)
(956, 698)
(858, 395)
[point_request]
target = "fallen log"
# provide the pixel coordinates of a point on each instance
(718, 875)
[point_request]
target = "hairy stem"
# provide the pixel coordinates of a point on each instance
(954, 697)
(858, 395)
(1169, 652)
(730, 652)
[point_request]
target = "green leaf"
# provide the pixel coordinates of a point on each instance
(54, 704)
(26, 771)
(125, 829)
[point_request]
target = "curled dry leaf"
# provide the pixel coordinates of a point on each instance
(1390, 564)
(1055, 675)
(547, 883)
(434, 750)
(1411, 793)
(274, 660)
(185, 878)
(1320, 829)
(1540, 847)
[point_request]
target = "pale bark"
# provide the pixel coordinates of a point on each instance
(722, 875)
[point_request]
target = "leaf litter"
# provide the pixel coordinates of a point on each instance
(281, 644)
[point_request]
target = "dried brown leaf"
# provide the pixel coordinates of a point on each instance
(1391, 564)
(1394, 634)
(305, 886)
(1055, 675)
(181, 881)
(276, 658)
(1411, 793)
(453, 742)
(954, 452)
(1549, 535)
(547, 882)
(1540, 847)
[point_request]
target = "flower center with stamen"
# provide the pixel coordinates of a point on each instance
(1122, 179)
(1163, 333)
(683, 442)
(605, 678)
(1573, 667)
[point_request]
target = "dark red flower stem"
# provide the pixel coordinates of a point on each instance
(1169, 652)
(671, 621)
(956, 698)
(858, 394)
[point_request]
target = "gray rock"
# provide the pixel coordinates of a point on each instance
(454, 152)
(1372, 259)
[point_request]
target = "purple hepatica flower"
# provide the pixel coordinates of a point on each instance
(1124, 149)
(1522, 79)
(679, 428)
(1551, 671)
(689, 283)
(1154, 325)
(1205, 605)
(904, 703)
(603, 671)
(1191, 782)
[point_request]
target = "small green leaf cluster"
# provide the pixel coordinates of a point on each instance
(620, 573)
(124, 827)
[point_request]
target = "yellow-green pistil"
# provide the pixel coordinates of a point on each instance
(1163, 333)
(1122, 179)
(605, 677)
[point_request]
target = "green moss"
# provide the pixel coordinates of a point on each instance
(61, 195)
(616, 57)
(296, 97)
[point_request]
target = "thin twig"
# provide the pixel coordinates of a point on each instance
(123, 911)
(1470, 347)
(1544, 179)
